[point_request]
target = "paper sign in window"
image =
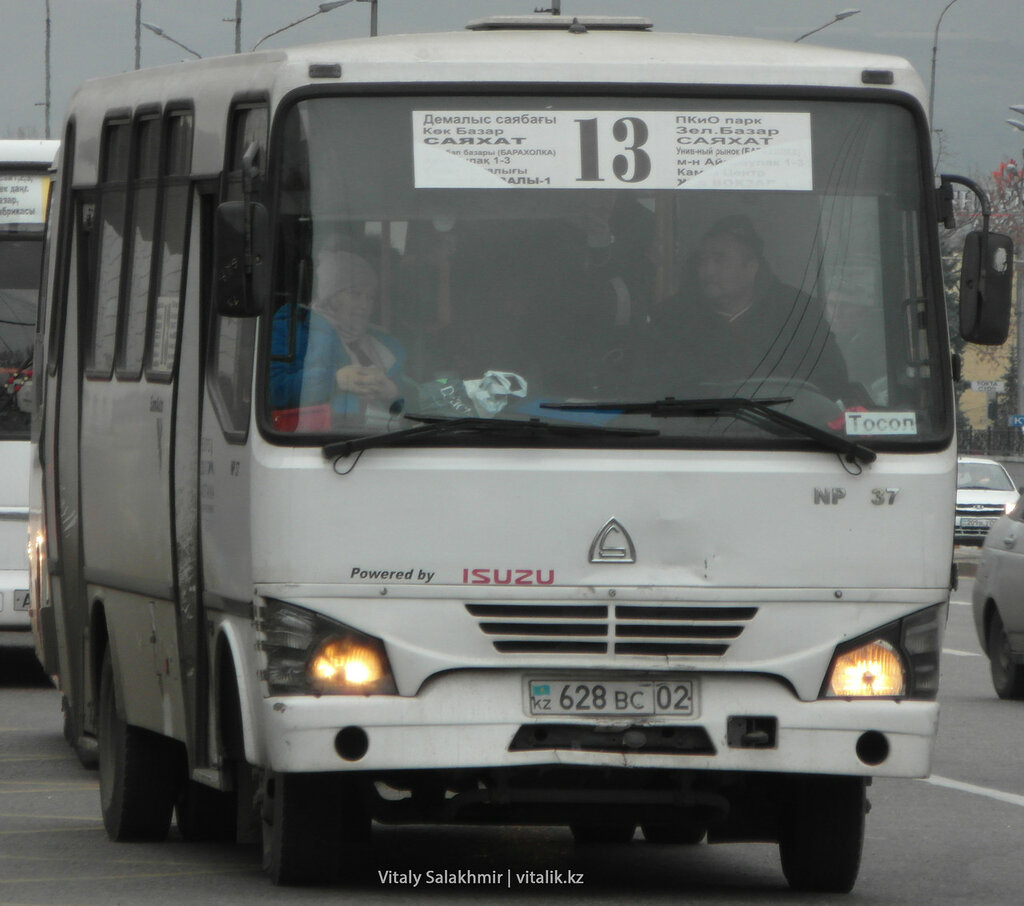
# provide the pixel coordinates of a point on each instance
(602, 149)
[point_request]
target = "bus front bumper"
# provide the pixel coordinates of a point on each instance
(476, 719)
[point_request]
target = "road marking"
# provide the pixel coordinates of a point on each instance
(130, 877)
(961, 653)
(1011, 798)
(37, 758)
(53, 830)
(53, 783)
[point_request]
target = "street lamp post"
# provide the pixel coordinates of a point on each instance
(237, 20)
(935, 53)
(373, 16)
(46, 89)
(323, 8)
(157, 30)
(844, 14)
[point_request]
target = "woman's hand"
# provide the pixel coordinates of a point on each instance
(367, 381)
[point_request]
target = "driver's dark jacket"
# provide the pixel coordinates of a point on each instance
(783, 338)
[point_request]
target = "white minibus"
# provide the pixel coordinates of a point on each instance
(25, 174)
(550, 422)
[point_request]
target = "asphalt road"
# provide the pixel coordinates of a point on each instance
(955, 839)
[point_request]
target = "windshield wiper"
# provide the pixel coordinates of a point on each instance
(436, 426)
(753, 411)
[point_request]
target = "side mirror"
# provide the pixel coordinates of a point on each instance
(240, 241)
(986, 271)
(986, 283)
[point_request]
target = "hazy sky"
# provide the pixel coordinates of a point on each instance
(979, 73)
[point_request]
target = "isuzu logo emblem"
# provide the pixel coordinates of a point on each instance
(612, 545)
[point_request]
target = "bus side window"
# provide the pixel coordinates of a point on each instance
(57, 299)
(109, 249)
(232, 339)
(173, 238)
(146, 153)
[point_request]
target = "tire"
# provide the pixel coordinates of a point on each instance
(314, 829)
(602, 833)
(85, 749)
(678, 832)
(1007, 677)
(246, 780)
(822, 834)
(138, 771)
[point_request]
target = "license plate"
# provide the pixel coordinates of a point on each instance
(976, 522)
(587, 698)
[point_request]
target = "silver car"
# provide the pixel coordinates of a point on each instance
(999, 602)
(984, 492)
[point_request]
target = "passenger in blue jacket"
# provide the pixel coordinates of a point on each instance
(328, 353)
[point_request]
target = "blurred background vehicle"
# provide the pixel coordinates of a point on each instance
(984, 492)
(998, 600)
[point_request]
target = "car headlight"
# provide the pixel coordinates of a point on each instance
(307, 653)
(899, 660)
(1009, 507)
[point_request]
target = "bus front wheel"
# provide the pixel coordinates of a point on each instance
(314, 828)
(822, 833)
(138, 771)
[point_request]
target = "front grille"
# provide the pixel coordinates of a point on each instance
(984, 511)
(995, 509)
(638, 629)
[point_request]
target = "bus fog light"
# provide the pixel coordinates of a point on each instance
(871, 670)
(351, 664)
(872, 748)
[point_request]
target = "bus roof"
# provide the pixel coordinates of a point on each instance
(505, 56)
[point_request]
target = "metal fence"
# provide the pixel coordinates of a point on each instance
(991, 441)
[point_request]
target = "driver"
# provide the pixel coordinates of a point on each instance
(339, 358)
(742, 324)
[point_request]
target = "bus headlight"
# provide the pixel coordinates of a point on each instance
(867, 671)
(899, 660)
(308, 653)
(352, 664)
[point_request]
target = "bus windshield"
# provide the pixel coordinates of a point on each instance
(22, 213)
(523, 257)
